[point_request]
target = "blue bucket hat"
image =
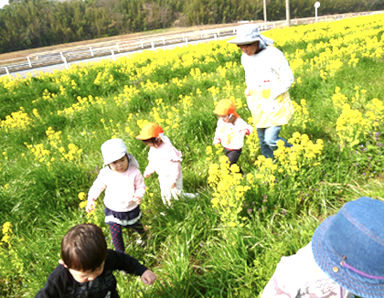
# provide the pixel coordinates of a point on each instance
(249, 33)
(349, 247)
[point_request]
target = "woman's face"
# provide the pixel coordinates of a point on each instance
(250, 49)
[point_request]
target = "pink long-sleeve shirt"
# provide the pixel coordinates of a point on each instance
(120, 188)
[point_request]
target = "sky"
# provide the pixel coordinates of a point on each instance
(3, 2)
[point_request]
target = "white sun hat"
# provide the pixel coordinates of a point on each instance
(249, 33)
(113, 150)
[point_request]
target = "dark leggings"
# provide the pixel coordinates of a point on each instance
(233, 156)
(117, 235)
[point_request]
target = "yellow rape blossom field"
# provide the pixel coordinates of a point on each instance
(228, 240)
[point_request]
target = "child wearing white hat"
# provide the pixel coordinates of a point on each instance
(124, 189)
(268, 77)
(165, 160)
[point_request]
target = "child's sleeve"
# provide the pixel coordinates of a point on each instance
(55, 285)
(174, 166)
(248, 128)
(217, 137)
(125, 262)
(150, 169)
(280, 66)
(139, 185)
(97, 187)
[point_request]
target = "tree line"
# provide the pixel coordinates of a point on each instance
(28, 24)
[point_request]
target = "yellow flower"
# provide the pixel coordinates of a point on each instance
(7, 228)
(82, 196)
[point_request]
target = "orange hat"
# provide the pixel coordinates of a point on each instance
(225, 107)
(149, 131)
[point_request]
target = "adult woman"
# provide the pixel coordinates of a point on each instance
(268, 78)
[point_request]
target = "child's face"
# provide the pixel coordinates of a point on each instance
(227, 119)
(156, 142)
(149, 143)
(249, 49)
(84, 276)
(120, 165)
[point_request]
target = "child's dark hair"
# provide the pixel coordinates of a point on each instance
(84, 248)
(153, 141)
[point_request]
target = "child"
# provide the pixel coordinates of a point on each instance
(86, 265)
(230, 130)
(268, 77)
(124, 189)
(165, 160)
(345, 256)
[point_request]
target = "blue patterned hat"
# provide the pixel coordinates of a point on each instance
(249, 33)
(349, 247)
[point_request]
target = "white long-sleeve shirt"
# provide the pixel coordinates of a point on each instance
(120, 188)
(268, 69)
(165, 160)
(231, 136)
(268, 78)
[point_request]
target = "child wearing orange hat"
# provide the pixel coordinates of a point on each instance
(230, 130)
(165, 160)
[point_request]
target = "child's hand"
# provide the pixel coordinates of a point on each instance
(173, 185)
(146, 176)
(90, 206)
(137, 199)
(148, 277)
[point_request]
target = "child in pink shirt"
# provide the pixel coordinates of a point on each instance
(230, 130)
(124, 189)
(165, 160)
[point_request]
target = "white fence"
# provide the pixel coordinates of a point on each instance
(107, 49)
